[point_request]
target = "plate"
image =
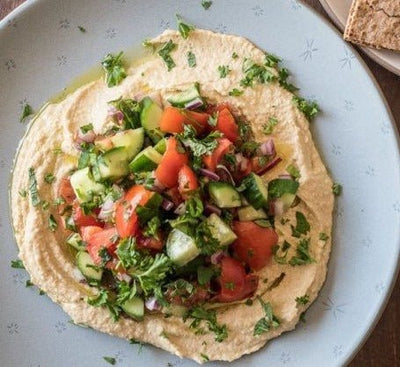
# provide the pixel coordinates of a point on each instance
(42, 50)
(339, 10)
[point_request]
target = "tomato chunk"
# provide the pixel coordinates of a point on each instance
(254, 243)
(66, 191)
(170, 165)
(150, 243)
(173, 120)
(187, 181)
(82, 220)
(232, 280)
(211, 160)
(105, 238)
(126, 219)
(87, 232)
(226, 124)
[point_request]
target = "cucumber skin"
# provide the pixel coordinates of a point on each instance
(215, 188)
(136, 303)
(178, 243)
(82, 260)
(220, 230)
(249, 213)
(253, 192)
(84, 186)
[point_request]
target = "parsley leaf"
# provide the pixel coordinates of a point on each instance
(206, 4)
(165, 54)
(269, 126)
(284, 250)
(293, 171)
(200, 314)
(53, 225)
(270, 321)
(86, 128)
(115, 71)
(152, 227)
(17, 264)
(131, 110)
(82, 29)
(183, 28)
(254, 72)
(204, 274)
(302, 225)
(283, 76)
(303, 300)
(302, 253)
(191, 59)
(103, 299)
(32, 187)
(213, 119)
(323, 236)
(278, 187)
(223, 71)
(26, 111)
(49, 178)
(199, 147)
(309, 108)
(337, 189)
(234, 55)
(110, 360)
(235, 92)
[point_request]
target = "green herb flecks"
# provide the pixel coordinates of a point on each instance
(206, 4)
(213, 119)
(103, 299)
(283, 77)
(28, 283)
(279, 187)
(151, 229)
(235, 92)
(302, 225)
(303, 300)
(268, 322)
(53, 225)
(110, 360)
(49, 178)
(204, 274)
(280, 252)
(17, 264)
(256, 73)
(131, 110)
(26, 112)
(234, 55)
(115, 71)
(23, 193)
(205, 357)
(303, 255)
(199, 147)
(323, 236)
(268, 128)
(223, 71)
(199, 314)
(337, 189)
(309, 108)
(293, 171)
(191, 59)
(82, 29)
(32, 187)
(86, 128)
(165, 54)
(183, 28)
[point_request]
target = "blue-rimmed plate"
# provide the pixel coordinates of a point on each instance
(42, 49)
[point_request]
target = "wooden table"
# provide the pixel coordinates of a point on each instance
(382, 348)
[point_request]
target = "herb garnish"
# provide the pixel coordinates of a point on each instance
(234, 55)
(302, 225)
(213, 119)
(198, 147)
(200, 314)
(309, 108)
(104, 299)
(283, 76)
(303, 300)
(17, 264)
(268, 322)
(254, 72)
(86, 128)
(269, 126)
(293, 171)
(282, 259)
(26, 111)
(131, 112)
(323, 236)
(191, 59)
(165, 54)
(206, 4)
(302, 253)
(82, 29)
(205, 357)
(223, 70)
(110, 360)
(52, 223)
(28, 283)
(278, 187)
(32, 186)
(183, 28)
(235, 92)
(23, 193)
(49, 178)
(337, 189)
(115, 71)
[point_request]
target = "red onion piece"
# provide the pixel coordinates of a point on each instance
(180, 210)
(217, 257)
(228, 174)
(112, 111)
(278, 207)
(196, 103)
(210, 208)
(210, 174)
(286, 177)
(269, 166)
(268, 148)
(152, 304)
(167, 205)
(107, 210)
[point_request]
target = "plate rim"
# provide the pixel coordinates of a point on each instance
(395, 272)
(374, 54)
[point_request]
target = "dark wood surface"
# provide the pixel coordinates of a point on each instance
(382, 349)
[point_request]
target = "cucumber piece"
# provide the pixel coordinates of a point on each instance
(175, 310)
(220, 230)
(85, 186)
(224, 195)
(256, 192)
(161, 146)
(181, 248)
(288, 200)
(75, 240)
(150, 118)
(87, 266)
(182, 98)
(147, 160)
(131, 140)
(134, 308)
(113, 164)
(249, 213)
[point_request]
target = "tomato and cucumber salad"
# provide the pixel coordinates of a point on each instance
(167, 210)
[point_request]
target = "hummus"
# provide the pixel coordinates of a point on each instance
(48, 147)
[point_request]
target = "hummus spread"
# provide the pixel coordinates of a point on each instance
(48, 147)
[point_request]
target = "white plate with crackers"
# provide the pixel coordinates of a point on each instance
(373, 22)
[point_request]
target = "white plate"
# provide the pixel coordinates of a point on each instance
(42, 49)
(339, 10)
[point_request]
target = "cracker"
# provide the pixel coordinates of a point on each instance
(374, 23)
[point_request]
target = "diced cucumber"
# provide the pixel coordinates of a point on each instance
(181, 248)
(256, 192)
(88, 267)
(161, 146)
(150, 118)
(147, 160)
(220, 230)
(175, 310)
(113, 164)
(224, 195)
(75, 240)
(134, 308)
(182, 98)
(249, 213)
(131, 140)
(84, 185)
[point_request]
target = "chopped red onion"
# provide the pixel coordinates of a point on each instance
(107, 209)
(268, 148)
(196, 103)
(112, 111)
(269, 166)
(210, 208)
(286, 177)
(210, 174)
(167, 204)
(180, 210)
(278, 207)
(217, 257)
(152, 304)
(228, 174)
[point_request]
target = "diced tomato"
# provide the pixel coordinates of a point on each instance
(115, 265)
(212, 109)
(87, 232)
(105, 238)
(254, 243)
(211, 160)
(126, 219)
(173, 119)
(66, 191)
(226, 124)
(182, 297)
(187, 181)
(232, 280)
(150, 243)
(175, 196)
(82, 220)
(170, 165)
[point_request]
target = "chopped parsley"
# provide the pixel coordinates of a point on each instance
(279, 187)
(223, 70)
(28, 283)
(282, 257)
(165, 53)
(323, 236)
(52, 223)
(17, 264)
(235, 92)
(269, 126)
(302, 225)
(115, 71)
(152, 227)
(23, 193)
(205, 357)
(303, 300)
(206, 4)
(213, 119)
(235, 55)
(283, 76)
(337, 189)
(204, 274)
(82, 29)
(191, 59)
(49, 178)
(131, 110)
(45, 204)
(303, 256)
(199, 314)
(110, 360)
(26, 111)
(254, 72)
(198, 147)
(309, 108)
(268, 322)
(32, 186)
(104, 299)
(86, 128)
(293, 171)
(183, 28)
